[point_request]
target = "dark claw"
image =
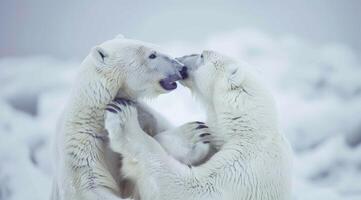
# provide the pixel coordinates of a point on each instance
(130, 102)
(204, 134)
(123, 101)
(199, 122)
(115, 107)
(111, 110)
(120, 101)
(201, 126)
(206, 142)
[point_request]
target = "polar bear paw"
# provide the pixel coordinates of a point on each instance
(189, 143)
(196, 132)
(199, 137)
(120, 115)
(122, 109)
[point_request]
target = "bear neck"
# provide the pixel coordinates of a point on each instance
(246, 118)
(89, 99)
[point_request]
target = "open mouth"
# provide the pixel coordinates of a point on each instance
(169, 83)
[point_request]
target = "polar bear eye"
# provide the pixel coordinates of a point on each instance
(152, 56)
(201, 55)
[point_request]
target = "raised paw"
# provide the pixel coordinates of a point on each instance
(196, 132)
(119, 115)
(123, 109)
(199, 141)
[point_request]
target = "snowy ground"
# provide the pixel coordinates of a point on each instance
(318, 90)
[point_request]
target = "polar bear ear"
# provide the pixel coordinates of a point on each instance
(99, 54)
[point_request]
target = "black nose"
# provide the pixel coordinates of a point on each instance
(183, 72)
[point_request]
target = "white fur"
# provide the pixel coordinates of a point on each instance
(253, 161)
(85, 166)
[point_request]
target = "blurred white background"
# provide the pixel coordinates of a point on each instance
(307, 51)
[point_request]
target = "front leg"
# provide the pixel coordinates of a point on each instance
(127, 138)
(145, 161)
(189, 143)
(125, 134)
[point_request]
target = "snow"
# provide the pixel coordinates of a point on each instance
(317, 88)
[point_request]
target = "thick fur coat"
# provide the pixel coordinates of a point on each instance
(253, 161)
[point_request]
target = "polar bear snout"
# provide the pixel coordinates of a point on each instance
(192, 62)
(184, 72)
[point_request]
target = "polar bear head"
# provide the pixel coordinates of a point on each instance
(211, 71)
(137, 68)
(230, 91)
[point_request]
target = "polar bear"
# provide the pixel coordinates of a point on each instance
(253, 160)
(85, 167)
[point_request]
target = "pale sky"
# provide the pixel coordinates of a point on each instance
(68, 29)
